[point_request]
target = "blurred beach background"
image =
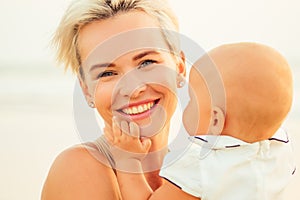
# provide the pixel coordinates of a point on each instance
(36, 96)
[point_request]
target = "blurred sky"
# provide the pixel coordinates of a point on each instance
(27, 25)
(274, 22)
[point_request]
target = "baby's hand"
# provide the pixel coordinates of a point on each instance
(126, 142)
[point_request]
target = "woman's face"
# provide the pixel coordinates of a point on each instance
(138, 84)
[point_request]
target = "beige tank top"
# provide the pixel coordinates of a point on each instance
(100, 145)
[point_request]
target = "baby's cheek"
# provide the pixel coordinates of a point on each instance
(191, 118)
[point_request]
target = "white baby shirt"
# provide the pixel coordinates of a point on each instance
(226, 168)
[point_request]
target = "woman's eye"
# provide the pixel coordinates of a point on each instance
(106, 74)
(147, 62)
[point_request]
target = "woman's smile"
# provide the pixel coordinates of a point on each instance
(139, 110)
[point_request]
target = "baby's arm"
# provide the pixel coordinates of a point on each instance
(128, 150)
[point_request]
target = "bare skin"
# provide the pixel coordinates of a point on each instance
(76, 167)
(258, 86)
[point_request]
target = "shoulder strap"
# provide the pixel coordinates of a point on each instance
(101, 146)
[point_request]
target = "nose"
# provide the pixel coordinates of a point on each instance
(133, 92)
(131, 85)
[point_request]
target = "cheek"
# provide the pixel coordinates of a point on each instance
(169, 97)
(162, 76)
(196, 116)
(204, 114)
(103, 99)
(191, 118)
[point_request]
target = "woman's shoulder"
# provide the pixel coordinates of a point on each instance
(78, 156)
(78, 173)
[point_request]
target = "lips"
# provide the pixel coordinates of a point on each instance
(139, 108)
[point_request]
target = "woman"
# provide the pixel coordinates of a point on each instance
(86, 27)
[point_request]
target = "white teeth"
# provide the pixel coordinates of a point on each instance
(134, 110)
(150, 105)
(138, 109)
(141, 109)
(127, 110)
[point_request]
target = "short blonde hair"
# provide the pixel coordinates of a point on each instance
(83, 12)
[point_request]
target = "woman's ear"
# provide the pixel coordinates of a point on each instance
(181, 70)
(217, 121)
(85, 90)
(181, 67)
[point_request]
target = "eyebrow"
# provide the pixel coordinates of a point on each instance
(135, 58)
(103, 65)
(143, 54)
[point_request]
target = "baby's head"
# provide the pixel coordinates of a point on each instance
(258, 90)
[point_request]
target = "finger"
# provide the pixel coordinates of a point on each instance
(124, 127)
(116, 128)
(134, 130)
(146, 143)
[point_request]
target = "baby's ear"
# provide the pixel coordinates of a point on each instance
(217, 121)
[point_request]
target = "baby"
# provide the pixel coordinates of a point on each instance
(237, 149)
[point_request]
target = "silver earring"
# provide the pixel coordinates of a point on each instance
(181, 84)
(92, 104)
